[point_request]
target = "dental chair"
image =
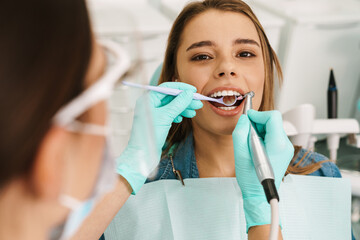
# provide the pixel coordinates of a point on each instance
(303, 119)
(156, 76)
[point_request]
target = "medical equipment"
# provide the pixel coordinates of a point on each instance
(175, 92)
(263, 169)
(327, 22)
(332, 96)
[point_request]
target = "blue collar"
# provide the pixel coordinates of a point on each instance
(184, 158)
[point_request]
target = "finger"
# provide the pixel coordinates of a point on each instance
(240, 142)
(178, 119)
(275, 136)
(188, 113)
(178, 104)
(178, 85)
(166, 100)
(271, 120)
(241, 131)
(160, 99)
(195, 104)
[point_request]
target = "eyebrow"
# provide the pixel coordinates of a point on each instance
(201, 44)
(246, 41)
(210, 43)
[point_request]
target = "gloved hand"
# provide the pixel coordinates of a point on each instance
(280, 151)
(154, 114)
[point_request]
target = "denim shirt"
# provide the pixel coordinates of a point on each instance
(184, 161)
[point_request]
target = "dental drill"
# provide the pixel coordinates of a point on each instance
(263, 169)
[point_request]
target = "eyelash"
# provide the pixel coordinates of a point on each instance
(249, 54)
(198, 57)
(204, 57)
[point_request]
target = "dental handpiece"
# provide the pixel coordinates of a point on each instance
(259, 156)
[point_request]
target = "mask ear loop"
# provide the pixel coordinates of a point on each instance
(69, 202)
(87, 128)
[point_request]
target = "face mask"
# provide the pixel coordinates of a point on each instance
(101, 90)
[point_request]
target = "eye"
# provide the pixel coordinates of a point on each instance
(201, 57)
(246, 54)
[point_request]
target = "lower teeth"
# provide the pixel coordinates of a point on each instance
(227, 108)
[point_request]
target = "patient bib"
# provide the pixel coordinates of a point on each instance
(211, 209)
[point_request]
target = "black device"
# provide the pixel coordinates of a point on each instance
(332, 96)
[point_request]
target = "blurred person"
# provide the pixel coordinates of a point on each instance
(53, 105)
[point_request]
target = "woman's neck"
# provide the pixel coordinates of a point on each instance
(214, 154)
(19, 215)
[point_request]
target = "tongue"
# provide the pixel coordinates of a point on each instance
(217, 104)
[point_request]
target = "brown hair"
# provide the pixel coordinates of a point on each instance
(178, 132)
(45, 50)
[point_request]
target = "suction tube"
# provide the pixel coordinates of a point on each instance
(259, 156)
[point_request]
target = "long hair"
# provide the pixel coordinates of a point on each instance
(45, 48)
(179, 131)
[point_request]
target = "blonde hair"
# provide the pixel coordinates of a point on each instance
(179, 131)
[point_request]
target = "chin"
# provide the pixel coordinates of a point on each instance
(219, 126)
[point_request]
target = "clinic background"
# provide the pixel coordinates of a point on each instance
(310, 37)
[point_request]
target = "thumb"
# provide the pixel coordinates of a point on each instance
(241, 131)
(179, 103)
(240, 142)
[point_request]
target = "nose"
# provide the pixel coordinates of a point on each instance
(221, 74)
(225, 69)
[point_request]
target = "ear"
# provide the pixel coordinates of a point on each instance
(47, 173)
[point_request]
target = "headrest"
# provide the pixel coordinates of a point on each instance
(155, 77)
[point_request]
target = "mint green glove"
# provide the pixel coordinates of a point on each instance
(154, 114)
(280, 151)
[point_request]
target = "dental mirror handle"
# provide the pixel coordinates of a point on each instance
(259, 156)
(168, 91)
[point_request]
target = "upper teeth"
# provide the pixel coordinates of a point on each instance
(225, 93)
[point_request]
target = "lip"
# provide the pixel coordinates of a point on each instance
(227, 113)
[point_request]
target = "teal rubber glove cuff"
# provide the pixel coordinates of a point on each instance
(153, 116)
(280, 151)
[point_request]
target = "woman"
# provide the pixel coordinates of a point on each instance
(51, 71)
(197, 66)
(220, 47)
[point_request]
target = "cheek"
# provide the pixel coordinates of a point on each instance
(256, 84)
(193, 75)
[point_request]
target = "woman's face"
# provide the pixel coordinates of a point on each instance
(220, 53)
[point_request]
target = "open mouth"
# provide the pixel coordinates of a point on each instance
(229, 97)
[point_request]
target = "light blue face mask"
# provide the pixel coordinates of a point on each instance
(99, 91)
(76, 218)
